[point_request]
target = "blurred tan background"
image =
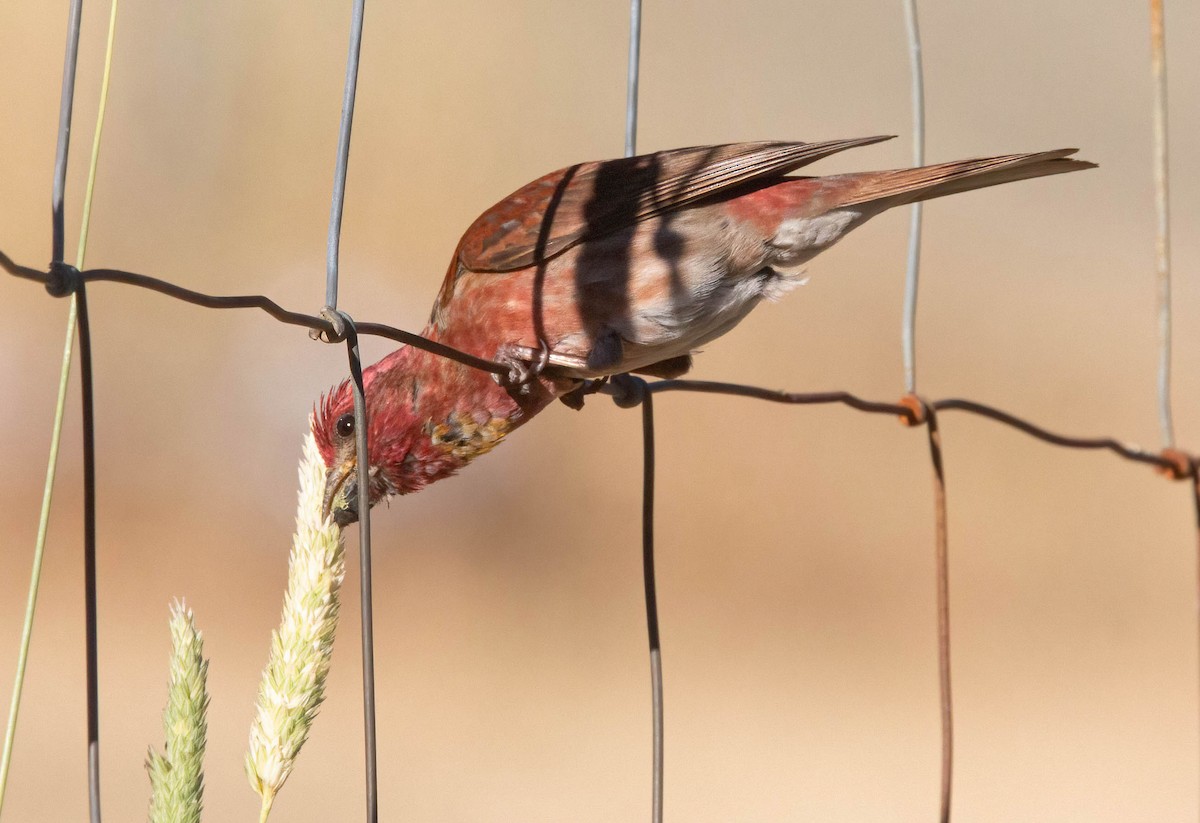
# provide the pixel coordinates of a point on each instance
(795, 545)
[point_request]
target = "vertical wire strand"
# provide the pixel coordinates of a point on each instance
(89, 553)
(908, 336)
(632, 76)
(912, 271)
(58, 252)
(360, 415)
(651, 590)
(1195, 467)
(62, 150)
(1162, 208)
(343, 156)
(57, 197)
(943, 612)
(363, 464)
(1162, 238)
(89, 440)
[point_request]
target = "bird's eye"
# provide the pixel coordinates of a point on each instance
(345, 425)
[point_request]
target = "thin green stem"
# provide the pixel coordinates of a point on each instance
(39, 549)
(91, 180)
(38, 553)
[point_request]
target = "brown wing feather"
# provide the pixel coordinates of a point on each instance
(554, 212)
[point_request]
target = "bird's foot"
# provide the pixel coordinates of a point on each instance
(574, 398)
(522, 371)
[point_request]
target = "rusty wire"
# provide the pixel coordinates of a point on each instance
(1162, 219)
(942, 582)
(908, 352)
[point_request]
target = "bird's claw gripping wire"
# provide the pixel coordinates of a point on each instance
(336, 332)
(521, 371)
(574, 399)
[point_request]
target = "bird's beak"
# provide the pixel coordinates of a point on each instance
(341, 493)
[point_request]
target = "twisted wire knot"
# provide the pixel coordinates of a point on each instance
(64, 279)
(338, 322)
(917, 410)
(1182, 465)
(631, 391)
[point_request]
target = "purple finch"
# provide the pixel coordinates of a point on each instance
(609, 267)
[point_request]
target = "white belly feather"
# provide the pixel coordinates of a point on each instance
(706, 295)
(692, 280)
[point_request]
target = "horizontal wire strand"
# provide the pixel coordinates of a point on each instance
(256, 301)
(1176, 462)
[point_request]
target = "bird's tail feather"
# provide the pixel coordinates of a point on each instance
(896, 188)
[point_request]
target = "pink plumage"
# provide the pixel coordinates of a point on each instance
(610, 267)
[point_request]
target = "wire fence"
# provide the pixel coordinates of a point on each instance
(333, 325)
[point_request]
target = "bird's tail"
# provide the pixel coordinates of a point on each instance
(901, 186)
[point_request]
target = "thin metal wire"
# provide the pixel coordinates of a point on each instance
(1128, 451)
(942, 562)
(58, 243)
(1196, 508)
(775, 396)
(1125, 450)
(256, 301)
(1163, 461)
(362, 458)
(65, 107)
(632, 77)
(908, 332)
(343, 156)
(651, 590)
(908, 346)
(1162, 208)
(1162, 231)
(364, 551)
(89, 553)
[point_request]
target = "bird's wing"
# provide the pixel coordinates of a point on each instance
(553, 213)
